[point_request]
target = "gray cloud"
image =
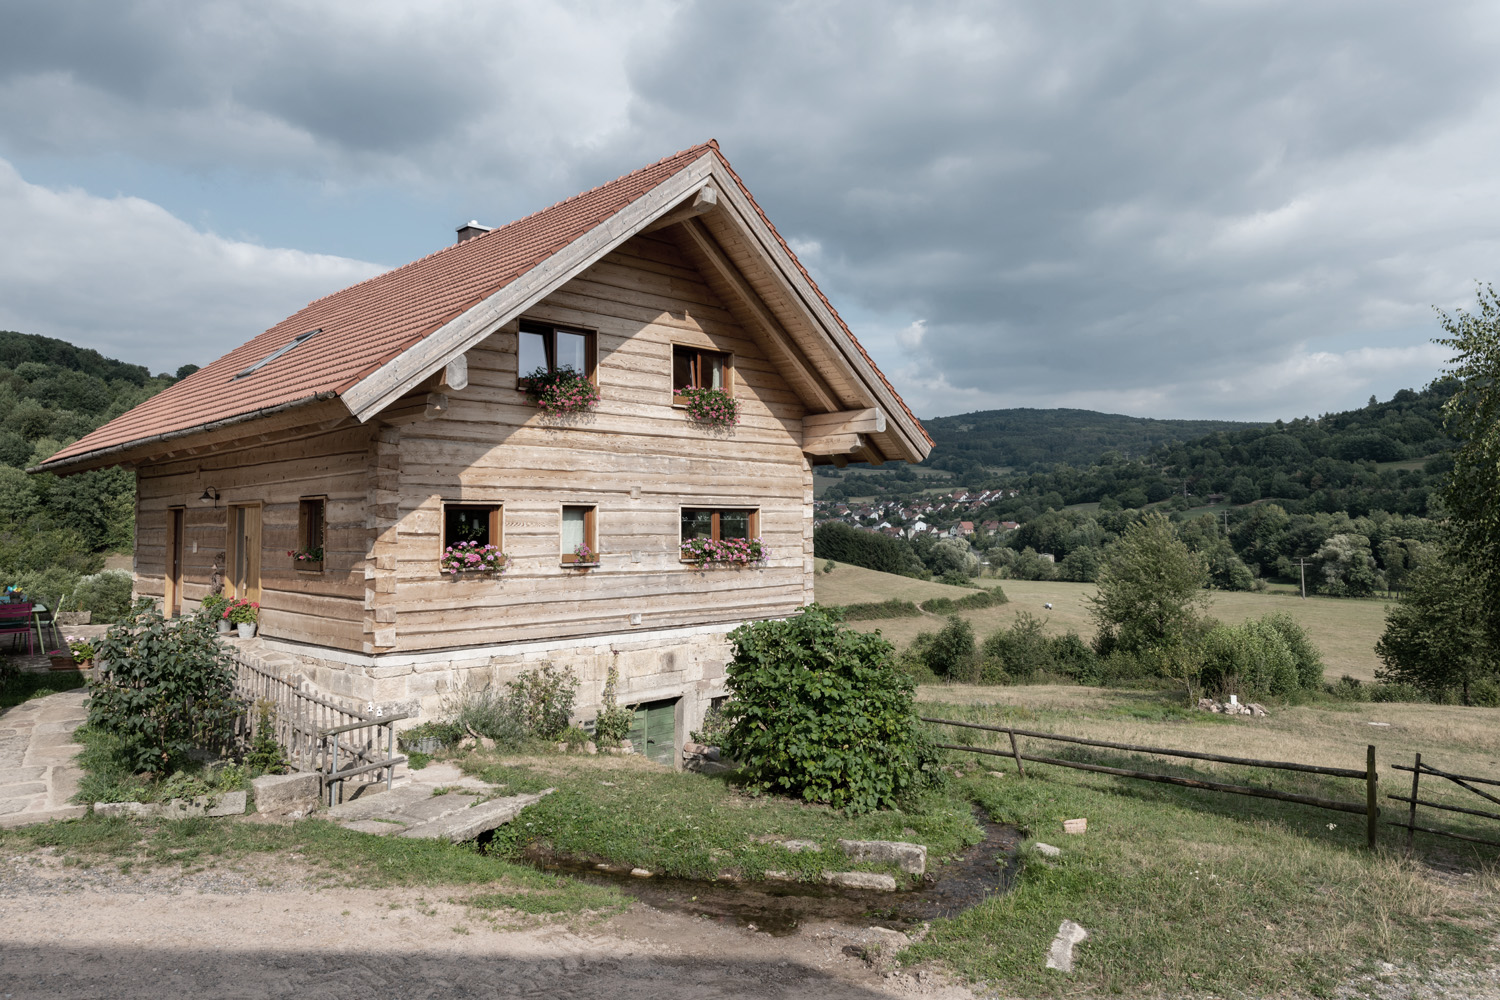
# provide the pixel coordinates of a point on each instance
(1163, 207)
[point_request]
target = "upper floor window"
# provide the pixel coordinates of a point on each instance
(694, 368)
(549, 348)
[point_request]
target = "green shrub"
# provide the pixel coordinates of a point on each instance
(876, 611)
(956, 578)
(488, 713)
(1309, 661)
(264, 755)
(51, 586)
(106, 594)
(544, 699)
(1251, 660)
(166, 688)
(1396, 692)
(1023, 650)
(951, 652)
(819, 712)
(212, 608)
(715, 725)
(573, 737)
(1485, 693)
(613, 723)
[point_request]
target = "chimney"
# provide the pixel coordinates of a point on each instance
(473, 229)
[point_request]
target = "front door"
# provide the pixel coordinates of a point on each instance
(244, 553)
(175, 532)
(654, 732)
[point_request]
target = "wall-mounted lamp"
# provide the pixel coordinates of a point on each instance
(210, 495)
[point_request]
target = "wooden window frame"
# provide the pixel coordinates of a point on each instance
(304, 534)
(550, 332)
(590, 532)
(753, 530)
(497, 522)
(232, 552)
(680, 400)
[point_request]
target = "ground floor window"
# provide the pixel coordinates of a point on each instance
(721, 535)
(580, 538)
(470, 522)
(311, 521)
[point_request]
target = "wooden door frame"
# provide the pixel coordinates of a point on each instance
(175, 570)
(232, 553)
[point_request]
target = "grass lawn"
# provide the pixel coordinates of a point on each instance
(1190, 891)
(1344, 629)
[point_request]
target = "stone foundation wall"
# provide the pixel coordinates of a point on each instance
(686, 664)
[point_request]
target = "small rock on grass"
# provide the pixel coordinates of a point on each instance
(1047, 850)
(1060, 955)
(640, 873)
(861, 880)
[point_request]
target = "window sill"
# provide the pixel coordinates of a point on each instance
(579, 565)
(310, 568)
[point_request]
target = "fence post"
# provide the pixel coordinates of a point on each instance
(1020, 768)
(1411, 815)
(1372, 807)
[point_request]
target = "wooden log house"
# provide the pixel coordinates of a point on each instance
(379, 424)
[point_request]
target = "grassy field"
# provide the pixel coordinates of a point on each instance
(1185, 891)
(1344, 630)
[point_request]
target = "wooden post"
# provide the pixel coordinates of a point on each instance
(1411, 814)
(1020, 768)
(1372, 808)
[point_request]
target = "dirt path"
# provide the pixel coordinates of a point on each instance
(82, 933)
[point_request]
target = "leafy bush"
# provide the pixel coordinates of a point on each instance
(951, 652)
(488, 713)
(872, 550)
(1251, 660)
(883, 609)
(819, 712)
(957, 578)
(1309, 661)
(543, 698)
(715, 725)
(1485, 693)
(51, 586)
(106, 594)
(1019, 652)
(166, 688)
(265, 756)
(613, 723)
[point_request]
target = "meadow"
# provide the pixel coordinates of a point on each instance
(1345, 630)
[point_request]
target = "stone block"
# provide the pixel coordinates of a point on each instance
(285, 793)
(861, 880)
(910, 858)
(227, 804)
(802, 846)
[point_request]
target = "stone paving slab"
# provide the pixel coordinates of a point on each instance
(463, 811)
(37, 771)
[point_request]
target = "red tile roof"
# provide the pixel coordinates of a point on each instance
(366, 325)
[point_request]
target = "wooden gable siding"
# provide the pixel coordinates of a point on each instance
(323, 608)
(492, 446)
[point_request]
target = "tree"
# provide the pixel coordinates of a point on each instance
(1471, 416)
(1347, 567)
(1435, 636)
(1150, 589)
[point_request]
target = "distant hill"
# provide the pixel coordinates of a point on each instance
(1026, 439)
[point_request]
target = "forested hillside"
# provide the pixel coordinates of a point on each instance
(1026, 439)
(55, 530)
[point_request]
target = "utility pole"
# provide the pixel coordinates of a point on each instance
(1302, 565)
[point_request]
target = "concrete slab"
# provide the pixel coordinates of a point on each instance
(481, 817)
(465, 809)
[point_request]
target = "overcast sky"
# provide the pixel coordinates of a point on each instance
(1171, 209)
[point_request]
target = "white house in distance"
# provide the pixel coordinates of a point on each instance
(379, 424)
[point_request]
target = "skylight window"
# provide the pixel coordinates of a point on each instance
(301, 338)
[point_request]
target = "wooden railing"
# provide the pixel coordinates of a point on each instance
(1464, 781)
(1369, 808)
(317, 733)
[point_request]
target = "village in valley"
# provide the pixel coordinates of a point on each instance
(848, 523)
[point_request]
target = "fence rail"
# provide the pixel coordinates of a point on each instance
(317, 733)
(1370, 808)
(1464, 781)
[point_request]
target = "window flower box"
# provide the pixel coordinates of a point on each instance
(581, 557)
(308, 559)
(713, 407)
(561, 390)
(472, 557)
(724, 551)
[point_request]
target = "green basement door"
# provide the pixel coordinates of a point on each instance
(654, 731)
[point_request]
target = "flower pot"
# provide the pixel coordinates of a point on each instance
(224, 627)
(86, 664)
(247, 629)
(63, 663)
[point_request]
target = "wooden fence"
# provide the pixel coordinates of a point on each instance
(1370, 808)
(1464, 781)
(316, 733)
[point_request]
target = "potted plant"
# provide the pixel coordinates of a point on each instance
(243, 615)
(584, 557)
(724, 552)
(561, 390)
(82, 650)
(714, 407)
(304, 557)
(62, 659)
(213, 609)
(472, 557)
